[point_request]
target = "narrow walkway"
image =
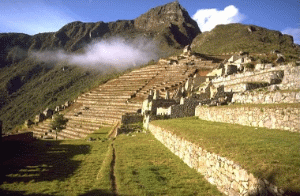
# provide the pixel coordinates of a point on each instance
(114, 132)
(112, 171)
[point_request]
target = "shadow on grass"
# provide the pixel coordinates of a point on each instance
(290, 191)
(100, 192)
(39, 160)
(89, 193)
(19, 193)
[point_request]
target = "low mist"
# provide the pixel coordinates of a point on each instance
(112, 52)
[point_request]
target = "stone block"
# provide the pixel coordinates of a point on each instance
(235, 186)
(232, 192)
(243, 175)
(211, 180)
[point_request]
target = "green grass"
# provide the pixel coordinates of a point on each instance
(236, 37)
(69, 167)
(100, 133)
(145, 167)
(270, 154)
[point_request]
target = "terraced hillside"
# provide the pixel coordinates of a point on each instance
(105, 105)
(29, 84)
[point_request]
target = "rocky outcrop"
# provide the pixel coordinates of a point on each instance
(171, 18)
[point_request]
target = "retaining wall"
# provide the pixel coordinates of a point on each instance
(229, 177)
(257, 97)
(290, 76)
(291, 79)
(287, 118)
(130, 118)
(266, 76)
(184, 110)
(180, 110)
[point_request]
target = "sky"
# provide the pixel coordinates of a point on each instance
(37, 16)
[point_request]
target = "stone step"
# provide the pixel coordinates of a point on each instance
(108, 103)
(108, 89)
(42, 134)
(81, 128)
(109, 93)
(97, 115)
(78, 131)
(106, 96)
(73, 133)
(113, 108)
(70, 135)
(107, 114)
(137, 77)
(87, 122)
(99, 99)
(105, 121)
(118, 88)
(86, 125)
(104, 111)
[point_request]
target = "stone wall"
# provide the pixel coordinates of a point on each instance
(259, 97)
(266, 76)
(288, 75)
(291, 79)
(242, 87)
(229, 177)
(151, 105)
(185, 109)
(287, 118)
(130, 118)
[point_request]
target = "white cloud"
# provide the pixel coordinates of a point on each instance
(295, 32)
(113, 52)
(207, 19)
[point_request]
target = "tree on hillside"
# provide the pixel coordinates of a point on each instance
(58, 123)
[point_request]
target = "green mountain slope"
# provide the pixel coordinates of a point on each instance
(250, 38)
(29, 87)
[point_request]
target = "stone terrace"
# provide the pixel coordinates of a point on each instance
(105, 105)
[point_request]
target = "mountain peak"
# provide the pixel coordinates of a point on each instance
(165, 15)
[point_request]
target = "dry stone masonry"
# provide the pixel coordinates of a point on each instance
(229, 177)
(266, 97)
(232, 82)
(285, 118)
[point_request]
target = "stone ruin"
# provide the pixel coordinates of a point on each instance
(47, 114)
(222, 85)
(233, 81)
(172, 88)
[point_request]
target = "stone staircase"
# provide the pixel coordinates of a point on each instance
(105, 105)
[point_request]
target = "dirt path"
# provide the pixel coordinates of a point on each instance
(112, 171)
(113, 132)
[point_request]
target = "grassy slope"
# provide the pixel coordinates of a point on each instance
(78, 167)
(70, 167)
(236, 37)
(270, 154)
(145, 167)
